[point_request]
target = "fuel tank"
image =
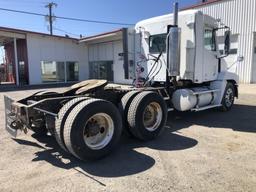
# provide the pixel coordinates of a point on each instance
(186, 99)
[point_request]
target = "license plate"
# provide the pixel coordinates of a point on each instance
(9, 117)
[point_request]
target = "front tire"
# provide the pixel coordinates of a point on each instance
(92, 129)
(147, 115)
(228, 97)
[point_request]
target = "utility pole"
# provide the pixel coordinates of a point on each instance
(49, 6)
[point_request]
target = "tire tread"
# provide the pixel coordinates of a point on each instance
(82, 110)
(137, 128)
(60, 120)
(124, 107)
(224, 108)
(69, 122)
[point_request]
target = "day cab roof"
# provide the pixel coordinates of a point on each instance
(164, 18)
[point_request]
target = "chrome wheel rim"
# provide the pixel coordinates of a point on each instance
(152, 116)
(98, 131)
(229, 97)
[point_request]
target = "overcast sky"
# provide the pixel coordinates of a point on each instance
(124, 11)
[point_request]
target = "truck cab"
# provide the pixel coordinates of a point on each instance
(200, 59)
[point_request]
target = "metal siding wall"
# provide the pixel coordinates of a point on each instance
(60, 50)
(101, 52)
(240, 15)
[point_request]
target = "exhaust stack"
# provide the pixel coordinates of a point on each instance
(176, 10)
(173, 45)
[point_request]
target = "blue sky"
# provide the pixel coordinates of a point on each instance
(124, 11)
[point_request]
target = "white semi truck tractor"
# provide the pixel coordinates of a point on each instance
(178, 67)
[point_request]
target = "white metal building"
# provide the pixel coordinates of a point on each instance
(47, 55)
(108, 57)
(240, 15)
(36, 58)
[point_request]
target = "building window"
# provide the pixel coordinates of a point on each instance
(101, 70)
(233, 44)
(157, 43)
(54, 71)
(209, 39)
(72, 71)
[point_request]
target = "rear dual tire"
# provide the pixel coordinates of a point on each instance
(61, 119)
(124, 107)
(146, 115)
(92, 129)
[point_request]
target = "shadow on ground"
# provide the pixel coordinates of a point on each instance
(123, 161)
(240, 118)
(126, 160)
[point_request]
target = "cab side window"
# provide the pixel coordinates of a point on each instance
(209, 39)
(157, 43)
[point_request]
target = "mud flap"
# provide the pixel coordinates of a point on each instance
(9, 116)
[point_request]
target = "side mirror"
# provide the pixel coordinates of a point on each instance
(227, 42)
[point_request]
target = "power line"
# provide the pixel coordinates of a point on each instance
(23, 2)
(92, 21)
(67, 18)
(24, 12)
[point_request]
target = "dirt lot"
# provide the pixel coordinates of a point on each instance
(204, 151)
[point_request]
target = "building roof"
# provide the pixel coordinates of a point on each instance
(85, 39)
(201, 4)
(101, 35)
(21, 31)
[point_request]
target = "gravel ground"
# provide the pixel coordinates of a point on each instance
(204, 151)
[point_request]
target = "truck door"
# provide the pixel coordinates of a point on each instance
(157, 44)
(210, 61)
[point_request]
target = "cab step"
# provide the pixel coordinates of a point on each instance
(206, 107)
